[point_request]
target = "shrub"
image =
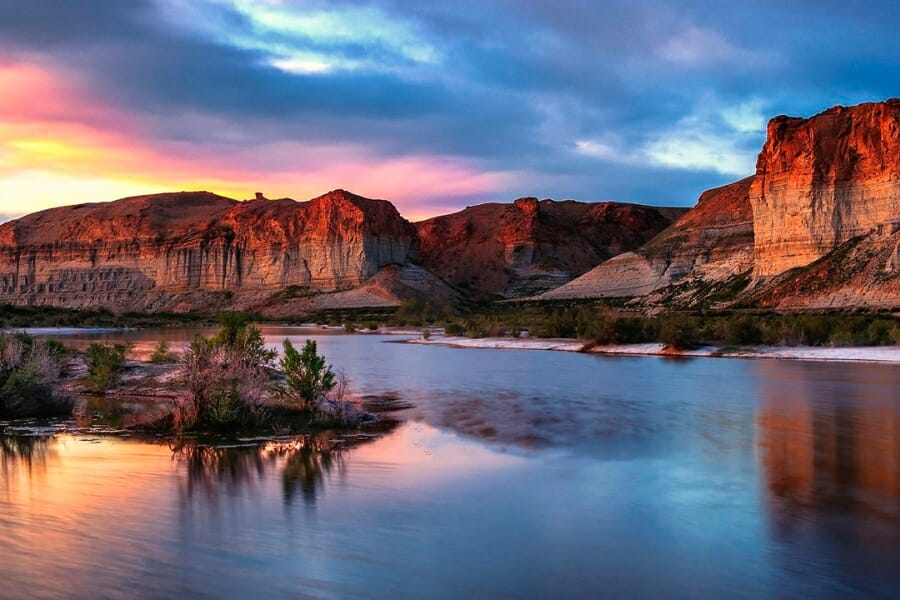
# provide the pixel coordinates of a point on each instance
(105, 365)
(454, 328)
(878, 332)
(679, 332)
(415, 312)
(227, 377)
(163, 354)
(309, 378)
(895, 334)
(426, 334)
(372, 326)
(29, 371)
(632, 330)
(742, 330)
(474, 330)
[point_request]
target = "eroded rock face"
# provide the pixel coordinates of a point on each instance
(710, 243)
(532, 245)
(196, 250)
(822, 181)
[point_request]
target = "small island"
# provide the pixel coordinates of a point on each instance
(227, 384)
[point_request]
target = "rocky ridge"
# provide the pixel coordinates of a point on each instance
(195, 249)
(199, 251)
(533, 245)
(708, 245)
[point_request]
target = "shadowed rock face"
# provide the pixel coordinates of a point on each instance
(196, 250)
(531, 246)
(824, 180)
(712, 242)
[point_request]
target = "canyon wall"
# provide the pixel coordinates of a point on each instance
(711, 243)
(817, 226)
(822, 181)
(196, 250)
(533, 245)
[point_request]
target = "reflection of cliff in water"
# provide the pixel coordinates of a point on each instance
(304, 464)
(827, 446)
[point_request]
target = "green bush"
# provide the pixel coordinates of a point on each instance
(679, 332)
(475, 330)
(742, 330)
(454, 329)
(895, 334)
(227, 376)
(163, 354)
(105, 365)
(29, 372)
(309, 378)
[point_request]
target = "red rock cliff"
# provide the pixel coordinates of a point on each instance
(531, 245)
(824, 180)
(194, 249)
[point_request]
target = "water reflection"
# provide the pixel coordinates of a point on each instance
(830, 452)
(28, 453)
(303, 463)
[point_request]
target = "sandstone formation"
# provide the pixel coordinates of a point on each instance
(817, 226)
(532, 245)
(709, 244)
(387, 288)
(863, 272)
(197, 250)
(824, 180)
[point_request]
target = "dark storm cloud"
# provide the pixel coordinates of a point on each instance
(593, 100)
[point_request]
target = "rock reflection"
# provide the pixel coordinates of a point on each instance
(827, 447)
(303, 464)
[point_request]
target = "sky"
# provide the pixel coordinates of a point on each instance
(432, 105)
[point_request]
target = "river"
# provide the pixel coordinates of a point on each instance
(517, 474)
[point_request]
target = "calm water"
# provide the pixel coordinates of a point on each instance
(517, 474)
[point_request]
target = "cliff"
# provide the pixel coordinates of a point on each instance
(196, 250)
(711, 243)
(822, 181)
(532, 245)
(817, 226)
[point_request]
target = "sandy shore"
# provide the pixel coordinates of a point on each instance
(873, 354)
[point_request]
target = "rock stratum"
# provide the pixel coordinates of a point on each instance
(817, 226)
(532, 245)
(192, 250)
(199, 251)
(713, 242)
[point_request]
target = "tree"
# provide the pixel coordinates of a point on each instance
(309, 378)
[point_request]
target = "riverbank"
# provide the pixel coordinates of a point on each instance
(871, 354)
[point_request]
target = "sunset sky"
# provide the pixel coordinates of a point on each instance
(433, 105)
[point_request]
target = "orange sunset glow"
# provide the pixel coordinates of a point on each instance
(59, 145)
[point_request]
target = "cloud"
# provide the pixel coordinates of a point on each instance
(695, 46)
(723, 139)
(303, 40)
(650, 101)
